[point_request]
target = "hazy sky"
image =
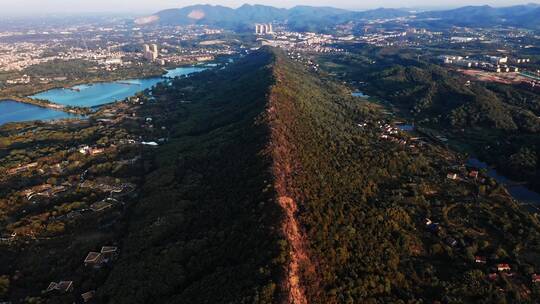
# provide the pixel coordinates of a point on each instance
(18, 7)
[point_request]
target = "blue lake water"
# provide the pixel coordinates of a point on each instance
(86, 95)
(184, 71)
(405, 127)
(92, 95)
(13, 111)
(359, 94)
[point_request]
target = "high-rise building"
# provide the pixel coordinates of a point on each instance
(263, 29)
(151, 52)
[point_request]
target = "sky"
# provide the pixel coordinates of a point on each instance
(29, 7)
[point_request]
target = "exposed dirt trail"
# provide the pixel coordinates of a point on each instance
(298, 253)
(284, 165)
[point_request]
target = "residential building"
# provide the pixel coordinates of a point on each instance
(263, 29)
(62, 287)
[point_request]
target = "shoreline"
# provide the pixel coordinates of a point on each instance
(83, 111)
(48, 105)
(68, 109)
(69, 86)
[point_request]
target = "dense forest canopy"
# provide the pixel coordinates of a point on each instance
(362, 202)
(272, 184)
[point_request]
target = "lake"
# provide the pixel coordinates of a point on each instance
(85, 95)
(359, 94)
(405, 127)
(96, 94)
(13, 111)
(519, 192)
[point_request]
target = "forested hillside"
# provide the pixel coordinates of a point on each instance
(277, 186)
(206, 229)
(382, 222)
(496, 122)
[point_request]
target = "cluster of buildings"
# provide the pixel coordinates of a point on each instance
(386, 38)
(98, 259)
(24, 79)
(44, 190)
(303, 42)
(108, 47)
(150, 52)
(496, 270)
(87, 150)
(402, 36)
(16, 56)
(497, 64)
(93, 259)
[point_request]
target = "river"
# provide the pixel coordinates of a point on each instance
(519, 192)
(86, 95)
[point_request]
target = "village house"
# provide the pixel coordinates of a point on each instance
(37, 189)
(97, 259)
(86, 150)
(150, 143)
(452, 176)
(480, 259)
(535, 278)
(503, 267)
(492, 276)
(53, 191)
(20, 168)
(109, 252)
(62, 287)
(473, 174)
(7, 237)
(101, 206)
(94, 259)
(45, 190)
(88, 296)
(431, 226)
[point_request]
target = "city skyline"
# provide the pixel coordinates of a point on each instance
(36, 7)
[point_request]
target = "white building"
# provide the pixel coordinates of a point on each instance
(151, 52)
(498, 59)
(263, 29)
(461, 39)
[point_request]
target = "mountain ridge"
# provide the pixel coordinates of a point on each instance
(243, 17)
(305, 18)
(525, 15)
(278, 186)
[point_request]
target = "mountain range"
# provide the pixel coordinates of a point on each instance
(306, 18)
(299, 17)
(527, 15)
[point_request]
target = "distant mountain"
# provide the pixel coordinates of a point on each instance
(479, 16)
(299, 17)
(310, 18)
(381, 13)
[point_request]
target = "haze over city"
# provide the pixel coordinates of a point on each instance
(33, 7)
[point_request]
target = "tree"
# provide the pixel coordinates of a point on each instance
(4, 285)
